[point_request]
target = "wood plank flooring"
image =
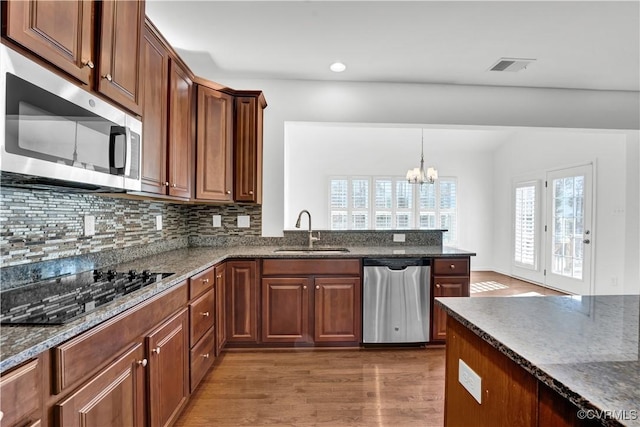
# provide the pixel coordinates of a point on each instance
(304, 388)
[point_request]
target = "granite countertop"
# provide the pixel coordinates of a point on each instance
(20, 343)
(584, 347)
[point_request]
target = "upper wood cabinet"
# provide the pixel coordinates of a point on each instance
(214, 167)
(64, 33)
(119, 64)
(248, 146)
(180, 135)
(155, 77)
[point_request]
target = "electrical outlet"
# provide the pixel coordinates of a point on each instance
(399, 237)
(216, 220)
(89, 225)
(244, 221)
(158, 222)
(470, 380)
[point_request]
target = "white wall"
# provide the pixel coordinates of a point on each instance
(531, 154)
(314, 152)
(349, 102)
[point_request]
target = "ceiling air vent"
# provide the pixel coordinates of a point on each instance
(511, 64)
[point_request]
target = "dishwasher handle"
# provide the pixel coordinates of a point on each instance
(396, 263)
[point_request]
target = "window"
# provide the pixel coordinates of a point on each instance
(525, 253)
(391, 203)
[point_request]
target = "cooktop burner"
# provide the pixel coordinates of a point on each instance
(63, 299)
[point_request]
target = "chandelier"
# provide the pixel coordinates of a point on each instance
(418, 175)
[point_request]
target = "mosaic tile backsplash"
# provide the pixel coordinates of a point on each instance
(39, 225)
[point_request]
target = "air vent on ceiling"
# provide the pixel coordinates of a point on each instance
(511, 64)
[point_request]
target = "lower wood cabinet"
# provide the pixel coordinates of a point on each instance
(115, 397)
(450, 279)
(221, 312)
(20, 395)
(311, 309)
(167, 350)
(242, 302)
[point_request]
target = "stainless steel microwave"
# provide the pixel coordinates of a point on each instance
(55, 130)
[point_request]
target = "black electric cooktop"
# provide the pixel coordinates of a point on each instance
(60, 300)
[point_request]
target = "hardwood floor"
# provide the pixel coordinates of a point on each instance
(304, 388)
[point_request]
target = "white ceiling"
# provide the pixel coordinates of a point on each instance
(576, 44)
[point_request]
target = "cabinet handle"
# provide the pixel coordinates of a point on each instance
(206, 355)
(228, 191)
(142, 362)
(437, 285)
(304, 287)
(88, 63)
(108, 77)
(166, 183)
(251, 192)
(453, 267)
(156, 350)
(317, 286)
(174, 185)
(205, 280)
(205, 313)
(219, 276)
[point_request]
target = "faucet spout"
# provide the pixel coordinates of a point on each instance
(312, 238)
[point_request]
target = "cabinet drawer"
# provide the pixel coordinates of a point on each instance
(20, 394)
(287, 267)
(451, 266)
(202, 357)
(201, 282)
(85, 354)
(201, 312)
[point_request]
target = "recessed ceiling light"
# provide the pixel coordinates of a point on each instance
(337, 67)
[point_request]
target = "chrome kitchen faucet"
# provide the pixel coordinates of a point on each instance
(311, 236)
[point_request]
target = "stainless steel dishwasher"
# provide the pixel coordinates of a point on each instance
(395, 306)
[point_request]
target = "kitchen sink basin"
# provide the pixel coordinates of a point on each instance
(318, 250)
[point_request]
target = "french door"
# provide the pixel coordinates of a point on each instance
(568, 243)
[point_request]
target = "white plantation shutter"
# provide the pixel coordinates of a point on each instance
(525, 207)
(386, 203)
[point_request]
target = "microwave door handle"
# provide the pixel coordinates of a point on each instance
(115, 132)
(127, 153)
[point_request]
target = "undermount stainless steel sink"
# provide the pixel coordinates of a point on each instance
(318, 250)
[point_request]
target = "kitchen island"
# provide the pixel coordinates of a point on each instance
(554, 360)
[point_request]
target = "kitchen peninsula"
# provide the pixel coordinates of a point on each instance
(554, 360)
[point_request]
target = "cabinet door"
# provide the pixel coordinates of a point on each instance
(168, 350)
(221, 313)
(214, 179)
(248, 148)
(242, 297)
(20, 395)
(113, 398)
(337, 309)
(155, 81)
(180, 143)
(58, 31)
(285, 310)
(445, 286)
(122, 24)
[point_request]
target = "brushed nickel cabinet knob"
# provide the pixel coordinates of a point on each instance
(108, 77)
(89, 63)
(142, 362)
(156, 350)
(205, 314)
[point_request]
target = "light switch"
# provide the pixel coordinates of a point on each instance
(158, 222)
(216, 220)
(89, 225)
(243, 221)
(399, 237)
